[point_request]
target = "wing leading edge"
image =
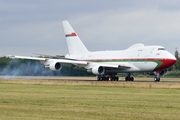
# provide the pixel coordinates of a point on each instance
(44, 60)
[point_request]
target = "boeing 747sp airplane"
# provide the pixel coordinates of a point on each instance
(106, 64)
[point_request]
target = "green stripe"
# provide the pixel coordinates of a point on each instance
(159, 63)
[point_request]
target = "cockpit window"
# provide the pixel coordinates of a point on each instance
(161, 49)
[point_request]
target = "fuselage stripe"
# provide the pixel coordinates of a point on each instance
(161, 63)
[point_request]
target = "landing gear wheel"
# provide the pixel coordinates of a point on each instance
(117, 78)
(108, 77)
(102, 78)
(114, 78)
(126, 79)
(98, 78)
(129, 78)
(157, 79)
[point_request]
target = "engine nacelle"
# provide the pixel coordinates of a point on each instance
(98, 70)
(55, 66)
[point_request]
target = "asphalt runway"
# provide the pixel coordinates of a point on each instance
(89, 79)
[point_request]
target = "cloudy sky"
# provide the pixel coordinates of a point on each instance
(35, 26)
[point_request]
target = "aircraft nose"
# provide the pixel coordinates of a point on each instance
(173, 61)
(166, 63)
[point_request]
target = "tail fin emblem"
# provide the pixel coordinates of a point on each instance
(71, 35)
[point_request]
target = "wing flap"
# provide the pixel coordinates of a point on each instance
(116, 66)
(74, 62)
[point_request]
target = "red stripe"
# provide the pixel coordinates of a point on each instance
(141, 59)
(70, 35)
(166, 63)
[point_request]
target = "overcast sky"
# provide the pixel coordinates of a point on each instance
(35, 26)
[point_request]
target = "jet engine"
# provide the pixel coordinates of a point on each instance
(54, 66)
(98, 70)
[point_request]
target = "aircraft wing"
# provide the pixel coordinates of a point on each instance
(66, 62)
(43, 60)
(25, 57)
(50, 56)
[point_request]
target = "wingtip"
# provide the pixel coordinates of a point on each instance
(10, 56)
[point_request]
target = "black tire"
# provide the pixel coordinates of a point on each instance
(156, 79)
(126, 78)
(131, 78)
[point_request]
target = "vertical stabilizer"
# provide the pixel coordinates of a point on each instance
(75, 45)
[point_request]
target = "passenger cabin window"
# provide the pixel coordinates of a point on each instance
(161, 49)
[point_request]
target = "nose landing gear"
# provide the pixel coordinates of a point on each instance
(157, 77)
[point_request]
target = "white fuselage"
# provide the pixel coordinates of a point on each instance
(139, 57)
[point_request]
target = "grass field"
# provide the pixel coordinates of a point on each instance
(76, 100)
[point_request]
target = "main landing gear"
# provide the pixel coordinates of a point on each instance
(107, 78)
(129, 78)
(113, 77)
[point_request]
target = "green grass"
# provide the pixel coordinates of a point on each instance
(78, 101)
